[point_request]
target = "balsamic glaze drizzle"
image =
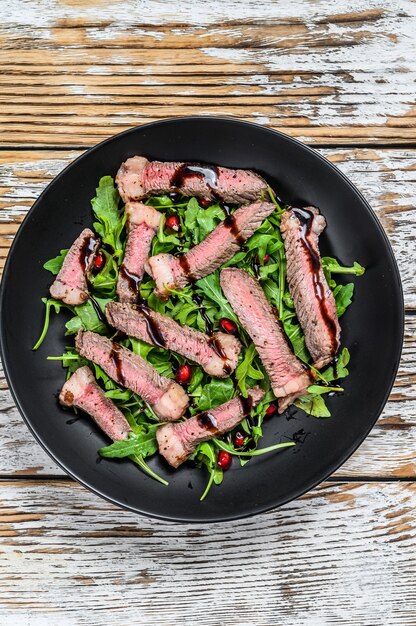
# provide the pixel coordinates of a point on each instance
(305, 218)
(231, 223)
(87, 249)
(152, 327)
(98, 310)
(208, 421)
(209, 327)
(115, 357)
(184, 263)
(208, 173)
(133, 281)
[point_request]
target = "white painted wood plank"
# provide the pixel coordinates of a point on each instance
(344, 554)
(324, 71)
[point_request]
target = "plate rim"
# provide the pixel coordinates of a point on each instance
(347, 454)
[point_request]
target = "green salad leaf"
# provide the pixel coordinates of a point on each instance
(110, 219)
(55, 264)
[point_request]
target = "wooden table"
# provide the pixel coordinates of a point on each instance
(338, 75)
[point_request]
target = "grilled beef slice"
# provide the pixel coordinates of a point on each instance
(170, 272)
(313, 299)
(178, 441)
(287, 374)
(71, 285)
(142, 224)
(217, 355)
(166, 397)
(83, 392)
(138, 178)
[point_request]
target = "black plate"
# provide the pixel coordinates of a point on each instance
(372, 328)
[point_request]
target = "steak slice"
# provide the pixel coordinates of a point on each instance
(167, 399)
(314, 302)
(217, 355)
(138, 178)
(83, 392)
(287, 374)
(142, 224)
(71, 284)
(178, 441)
(170, 272)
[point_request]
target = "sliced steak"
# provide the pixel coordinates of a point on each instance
(142, 224)
(178, 441)
(287, 374)
(83, 392)
(166, 397)
(138, 178)
(313, 299)
(71, 284)
(170, 272)
(217, 355)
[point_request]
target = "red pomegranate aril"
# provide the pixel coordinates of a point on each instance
(204, 202)
(271, 410)
(224, 460)
(99, 261)
(228, 326)
(238, 440)
(183, 374)
(266, 258)
(172, 222)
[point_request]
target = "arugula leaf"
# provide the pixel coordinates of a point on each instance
(334, 267)
(205, 454)
(224, 446)
(339, 369)
(343, 297)
(143, 443)
(55, 264)
(208, 219)
(87, 318)
(105, 281)
(313, 405)
(214, 393)
(210, 288)
(110, 218)
(245, 369)
(49, 303)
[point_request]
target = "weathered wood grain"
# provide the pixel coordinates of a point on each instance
(343, 554)
(81, 70)
(385, 177)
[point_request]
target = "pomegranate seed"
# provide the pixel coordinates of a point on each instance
(183, 374)
(271, 410)
(204, 202)
(99, 261)
(228, 326)
(238, 439)
(172, 222)
(266, 258)
(224, 460)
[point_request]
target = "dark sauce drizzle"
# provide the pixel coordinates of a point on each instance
(152, 327)
(231, 223)
(87, 249)
(305, 218)
(208, 421)
(184, 263)
(98, 310)
(115, 357)
(207, 173)
(256, 266)
(133, 281)
(209, 327)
